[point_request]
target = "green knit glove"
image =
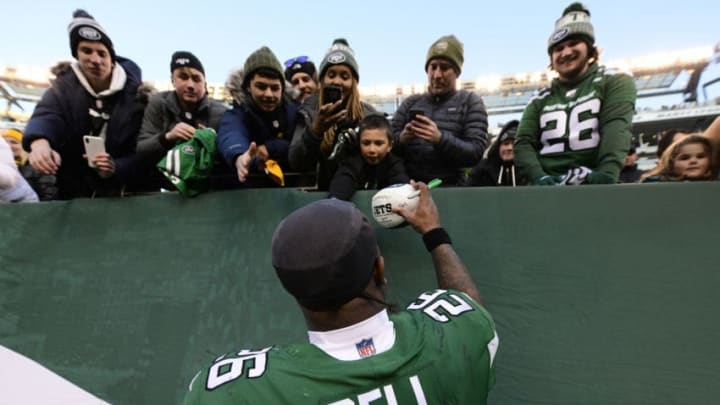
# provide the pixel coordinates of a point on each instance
(600, 178)
(548, 180)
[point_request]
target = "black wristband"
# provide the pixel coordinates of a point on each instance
(435, 238)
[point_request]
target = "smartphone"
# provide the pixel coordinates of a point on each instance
(93, 146)
(415, 113)
(331, 94)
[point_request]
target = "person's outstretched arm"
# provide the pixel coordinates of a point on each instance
(450, 271)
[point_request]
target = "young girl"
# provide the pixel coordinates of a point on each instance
(689, 158)
(375, 167)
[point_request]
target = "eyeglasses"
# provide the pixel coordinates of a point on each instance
(299, 59)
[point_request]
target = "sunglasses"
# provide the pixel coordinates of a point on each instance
(299, 59)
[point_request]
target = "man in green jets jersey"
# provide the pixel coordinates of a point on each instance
(577, 131)
(439, 350)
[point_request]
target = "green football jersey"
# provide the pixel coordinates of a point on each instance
(581, 124)
(443, 353)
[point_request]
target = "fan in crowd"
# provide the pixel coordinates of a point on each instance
(326, 130)
(577, 131)
(254, 136)
(687, 159)
(301, 73)
(374, 167)
(443, 131)
(97, 96)
(498, 169)
(172, 117)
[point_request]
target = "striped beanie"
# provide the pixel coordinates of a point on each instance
(575, 22)
(340, 53)
(83, 27)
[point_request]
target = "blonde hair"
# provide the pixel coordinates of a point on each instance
(666, 165)
(355, 114)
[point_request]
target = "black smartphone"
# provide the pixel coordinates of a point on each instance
(415, 113)
(331, 94)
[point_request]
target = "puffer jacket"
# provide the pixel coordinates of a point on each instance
(462, 120)
(62, 118)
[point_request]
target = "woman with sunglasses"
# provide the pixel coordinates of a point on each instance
(301, 73)
(328, 122)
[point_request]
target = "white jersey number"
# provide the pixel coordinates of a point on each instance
(438, 309)
(225, 370)
(550, 138)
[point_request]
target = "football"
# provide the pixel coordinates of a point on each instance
(395, 196)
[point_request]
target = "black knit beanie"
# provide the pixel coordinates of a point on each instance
(83, 27)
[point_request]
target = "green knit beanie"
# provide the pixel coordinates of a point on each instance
(447, 47)
(575, 22)
(340, 53)
(262, 58)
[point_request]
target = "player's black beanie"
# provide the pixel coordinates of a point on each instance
(324, 252)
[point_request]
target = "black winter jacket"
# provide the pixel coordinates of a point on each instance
(462, 120)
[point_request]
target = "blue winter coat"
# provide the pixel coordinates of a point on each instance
(62, 117)
(244, 124)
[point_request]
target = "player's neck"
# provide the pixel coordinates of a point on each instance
(355, 311)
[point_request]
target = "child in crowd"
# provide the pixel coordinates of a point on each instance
(689, 158)
(375, 167)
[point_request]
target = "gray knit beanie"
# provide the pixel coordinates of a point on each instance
(262, 58)
(447, 47)
(575, 22)
(340, 53)
(83, 27)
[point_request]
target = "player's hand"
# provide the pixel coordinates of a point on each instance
(242, 163)
(104, 165)
(43, 158)
(425, 128)
(548, 180)
(600, 178)
(327, 116)
(180, 132)
(426, 216)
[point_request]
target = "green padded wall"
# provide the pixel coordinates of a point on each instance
(603, 294)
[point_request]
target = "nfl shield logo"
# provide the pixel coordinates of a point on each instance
(365, 348)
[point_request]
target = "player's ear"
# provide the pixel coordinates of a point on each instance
(379, 271)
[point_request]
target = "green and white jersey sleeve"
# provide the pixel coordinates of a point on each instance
(584, 124)
(444, 352)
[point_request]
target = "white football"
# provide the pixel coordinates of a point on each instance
(395, 196)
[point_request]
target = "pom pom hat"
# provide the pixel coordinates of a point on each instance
(83, 27)
(575, 22)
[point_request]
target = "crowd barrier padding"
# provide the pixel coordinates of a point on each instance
(601, 294)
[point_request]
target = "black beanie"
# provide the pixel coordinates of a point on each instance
(300, 64)
(182, 59)
(324, 253)
(508, 130)
(83, 27)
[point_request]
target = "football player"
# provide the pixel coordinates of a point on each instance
(440, 349)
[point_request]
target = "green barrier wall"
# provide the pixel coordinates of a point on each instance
(601, 295)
